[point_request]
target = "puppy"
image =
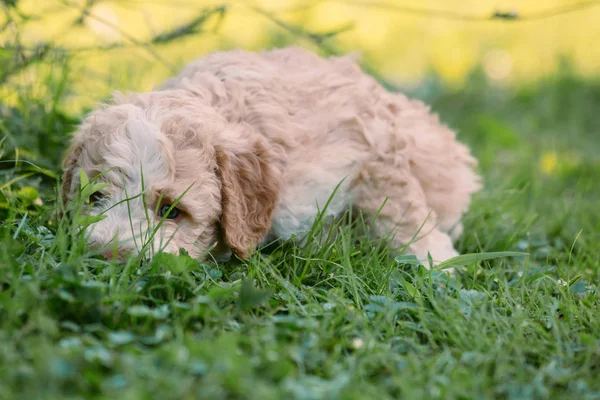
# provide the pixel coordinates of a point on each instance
(243, 148)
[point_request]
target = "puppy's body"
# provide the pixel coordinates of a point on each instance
(264, 139)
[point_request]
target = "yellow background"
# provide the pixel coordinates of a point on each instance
(402, 46)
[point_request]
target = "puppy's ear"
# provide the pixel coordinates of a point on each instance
(251, 180)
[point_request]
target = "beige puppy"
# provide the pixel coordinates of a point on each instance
(253, 146)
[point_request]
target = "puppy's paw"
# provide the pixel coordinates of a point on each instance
(438, 245)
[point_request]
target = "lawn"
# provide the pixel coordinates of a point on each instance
(341, 320)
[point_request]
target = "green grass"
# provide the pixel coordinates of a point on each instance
(341, 320)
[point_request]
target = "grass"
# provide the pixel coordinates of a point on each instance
(342, 320)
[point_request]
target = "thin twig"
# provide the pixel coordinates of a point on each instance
(319, 39)
(512, 16)
(560, 10)
(189, 28)
(159, 39)
(316, 38)
(126, 35)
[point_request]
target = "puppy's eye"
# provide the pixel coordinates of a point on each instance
(164, 212)
(96, 197)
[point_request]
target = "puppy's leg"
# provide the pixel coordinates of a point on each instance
(444, 168)
(406, 214)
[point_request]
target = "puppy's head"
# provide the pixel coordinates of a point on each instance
(177, 175)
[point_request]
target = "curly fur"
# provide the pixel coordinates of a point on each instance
(258, 142)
